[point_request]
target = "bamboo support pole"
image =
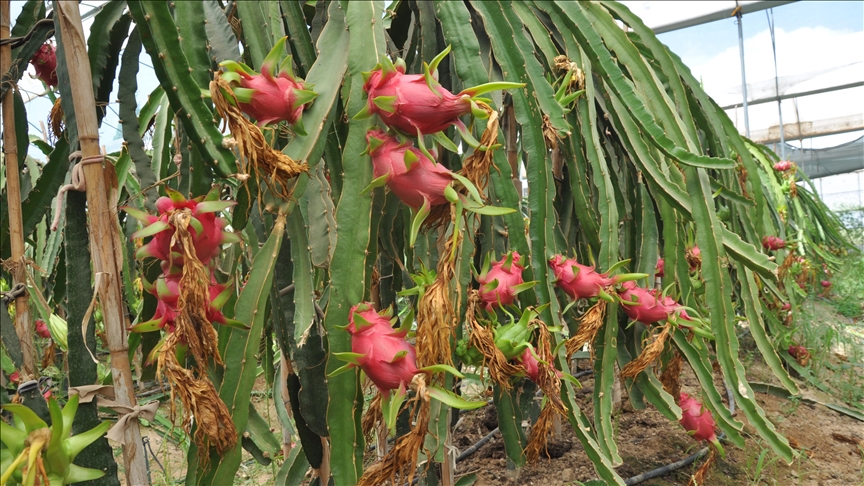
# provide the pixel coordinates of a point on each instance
(104, 235)
(23, 328)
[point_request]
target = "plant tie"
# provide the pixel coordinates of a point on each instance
(19, 290)
(79, 183)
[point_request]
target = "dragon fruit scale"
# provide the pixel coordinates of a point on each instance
(275, 94)
(417, 103)
(500, 283)
(379, 350)
(416, 180)
(698, 420)
(45, 63)
(577, 280)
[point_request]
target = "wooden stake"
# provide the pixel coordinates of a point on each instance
(23, 327)
(104, 233)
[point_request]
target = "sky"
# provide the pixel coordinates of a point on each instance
(810, 37)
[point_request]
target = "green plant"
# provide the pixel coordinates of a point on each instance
(36, 453)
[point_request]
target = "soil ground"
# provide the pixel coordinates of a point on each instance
(647, 440)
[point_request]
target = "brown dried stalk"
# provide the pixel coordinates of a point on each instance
(482, 338)
(372, 416)
(589, 324)
(550, 383)
(476, 166)
(648, 355)
(436, 315)
(538, 442)
(192, 326)
(671, 376)
(260, 159)
(214, 426)
(698, 479)
(55, 119)
(400, 463)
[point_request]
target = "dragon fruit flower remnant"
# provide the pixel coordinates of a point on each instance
(274, 95)
(500, 284)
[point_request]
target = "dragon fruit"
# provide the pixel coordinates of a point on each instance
(500, 283)
(783, 165)
(379, 350)
(659, 269)
(207, 230)
(167, 291)
(643, 305)
(577, 280)
(275, 94)
(698, 420)
(45, 63)
(416, 180)
(531, 365)
(417, 103)
(773, 243)
(42, 329)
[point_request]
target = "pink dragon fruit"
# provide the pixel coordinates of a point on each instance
(207, 230)
(698, 420)
(500, 283)
(273, 96)
(647, 308)
(42, 329)
(773, 243)
(45, 63)
(167, 291)
(531, 365)
(417, 103)
(659, 269)
(381, 351)
(783, 165)
(416, 180)
(800, 353)
(577, 280)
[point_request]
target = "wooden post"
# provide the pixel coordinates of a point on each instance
(23, 327)
(104, 235)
